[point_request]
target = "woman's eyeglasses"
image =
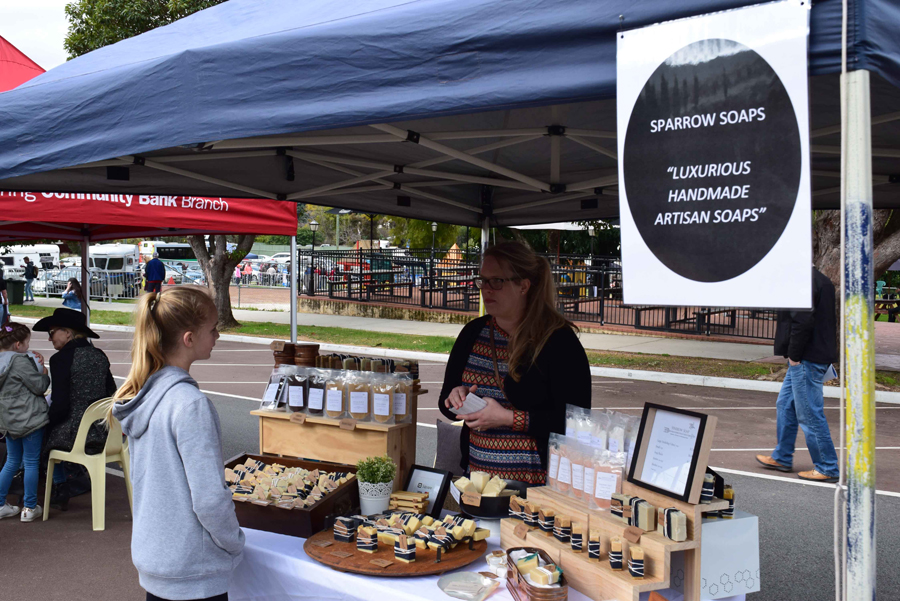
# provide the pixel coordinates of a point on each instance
(492, 283)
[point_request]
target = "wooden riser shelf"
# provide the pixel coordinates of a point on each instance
(596, 579)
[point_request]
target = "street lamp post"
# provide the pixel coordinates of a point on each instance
(591, 234)
(311, 285)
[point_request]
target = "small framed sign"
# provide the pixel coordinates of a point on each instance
(672, 451)
(435, 482)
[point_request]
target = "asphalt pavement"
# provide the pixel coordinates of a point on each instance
(39, 560)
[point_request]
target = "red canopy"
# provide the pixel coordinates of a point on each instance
(70, 216)
(15, 67)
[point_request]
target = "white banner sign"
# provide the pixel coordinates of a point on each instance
(713, 138)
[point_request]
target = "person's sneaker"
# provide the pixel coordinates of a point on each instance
(30, 515)
(7, 511)
(816, 476)
(768, 462)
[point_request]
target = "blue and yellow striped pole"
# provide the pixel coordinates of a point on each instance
(859, 338)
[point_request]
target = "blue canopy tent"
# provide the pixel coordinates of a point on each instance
(475, 112)
(511, 104)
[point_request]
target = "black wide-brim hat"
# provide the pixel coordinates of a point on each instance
(66, 318)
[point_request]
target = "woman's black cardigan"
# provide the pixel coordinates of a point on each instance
(561, 375)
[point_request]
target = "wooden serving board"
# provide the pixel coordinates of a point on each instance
(359, 562)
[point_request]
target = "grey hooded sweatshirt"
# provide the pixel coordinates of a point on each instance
(185, 539)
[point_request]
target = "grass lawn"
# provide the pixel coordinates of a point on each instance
(747, 370)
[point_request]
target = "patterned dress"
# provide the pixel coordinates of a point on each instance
(510, 453)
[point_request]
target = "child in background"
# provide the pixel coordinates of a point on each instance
(185, 537)
(23, 416)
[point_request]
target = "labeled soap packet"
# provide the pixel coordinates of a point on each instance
(276, 388)
(472, 404)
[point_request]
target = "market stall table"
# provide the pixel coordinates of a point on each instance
(275, 568)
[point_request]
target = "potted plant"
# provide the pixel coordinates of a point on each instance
(376, 482)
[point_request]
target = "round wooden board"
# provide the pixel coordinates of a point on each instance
(358, 563)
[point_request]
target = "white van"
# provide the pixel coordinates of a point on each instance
(45, 256)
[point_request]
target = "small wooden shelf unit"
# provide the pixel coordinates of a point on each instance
(595, 578)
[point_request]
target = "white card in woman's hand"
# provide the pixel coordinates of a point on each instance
(472, 404)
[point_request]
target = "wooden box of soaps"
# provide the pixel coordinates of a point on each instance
(522, 590)
(302, 522)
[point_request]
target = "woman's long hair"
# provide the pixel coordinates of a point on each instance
(79, 292)
(541, 317)
(160, 320)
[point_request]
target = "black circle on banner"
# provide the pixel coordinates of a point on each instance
(726, 129)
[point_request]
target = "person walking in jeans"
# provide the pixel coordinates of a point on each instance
(807, 340)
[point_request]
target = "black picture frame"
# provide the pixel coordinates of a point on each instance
(443, 489)
(695, 458)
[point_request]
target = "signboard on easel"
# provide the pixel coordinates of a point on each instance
(714, 169)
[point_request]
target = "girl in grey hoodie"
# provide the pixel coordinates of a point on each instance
(185, 539)
(23, 415)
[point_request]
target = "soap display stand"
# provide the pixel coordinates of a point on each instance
(596, 579)
(340, 440)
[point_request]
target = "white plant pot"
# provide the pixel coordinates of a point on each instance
(374, 498)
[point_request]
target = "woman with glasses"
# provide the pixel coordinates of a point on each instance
(524, 358)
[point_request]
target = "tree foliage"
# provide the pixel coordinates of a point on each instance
(94, 24)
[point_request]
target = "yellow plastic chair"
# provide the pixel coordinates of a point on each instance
(114, 452)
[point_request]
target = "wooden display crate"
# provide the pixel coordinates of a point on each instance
(323, 438)
(298, 522)
(596, 579)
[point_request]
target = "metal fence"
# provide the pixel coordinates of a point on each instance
(104, 285)
(589, 289)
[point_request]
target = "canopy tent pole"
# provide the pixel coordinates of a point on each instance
(485, 238)
(859, 332)
(295, 275)
(85, 274)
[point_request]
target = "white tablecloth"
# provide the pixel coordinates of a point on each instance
(275, 568)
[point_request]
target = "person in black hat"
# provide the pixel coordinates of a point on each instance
(80, 374)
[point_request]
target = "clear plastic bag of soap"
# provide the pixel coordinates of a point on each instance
(599, 429)
(359, 394)
(276, 387)
(335, 394)
(632, 427)
(608, 475)
(578, 455)
(384, 388)
(583, 425)
(615, 440)
(571, 420)
(553, 460)
(403, 397)
(297, 390)
(315, 391)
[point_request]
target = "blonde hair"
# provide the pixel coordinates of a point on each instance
(160, 320)
(541, 317)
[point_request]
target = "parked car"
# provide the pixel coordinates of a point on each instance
(280, 258)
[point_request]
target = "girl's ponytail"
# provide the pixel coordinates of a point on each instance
(146, 350)
(160, 320)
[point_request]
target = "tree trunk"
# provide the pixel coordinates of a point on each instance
(827, 243)
(218, 265)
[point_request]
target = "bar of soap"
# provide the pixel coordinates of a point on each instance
(531, 515)
(618, 505)
(577, 539)
(541, 576)
(494, 487)
(480, 534)
(517, 508)
(367, 539)
(636, 562)
(527, 563)
(645, 516)
(465, 485)
(594, 544)
(615, 554)
(480, 480)
(546, 519)
(709, 489)
(403, 550)
(562, 528)
(672, 524)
